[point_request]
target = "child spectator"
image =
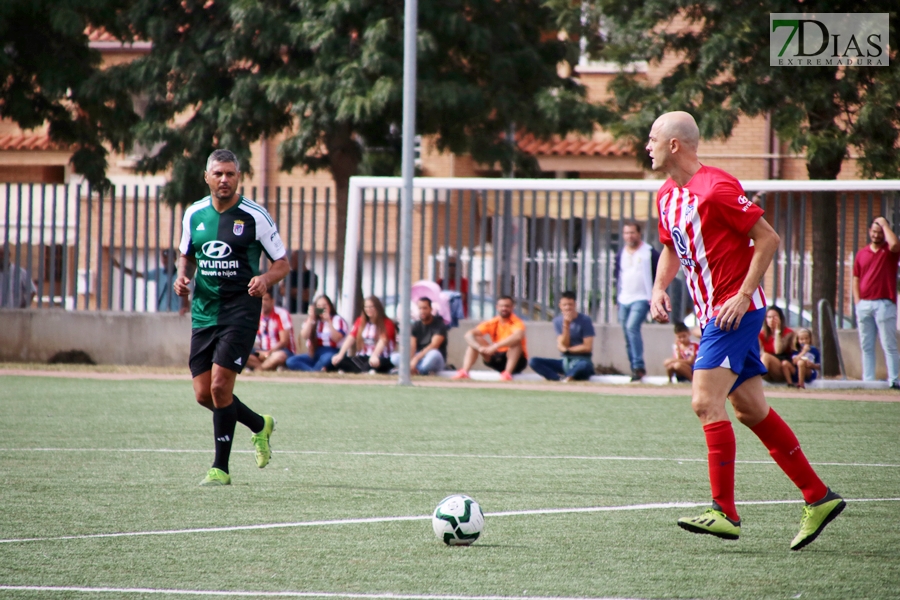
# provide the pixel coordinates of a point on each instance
(808, 359)
(684, 353)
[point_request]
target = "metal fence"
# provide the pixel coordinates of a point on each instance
(534, 239)
(88, 250)
(531, 239)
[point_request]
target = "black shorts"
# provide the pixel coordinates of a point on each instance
(225, 345)
(497, 362)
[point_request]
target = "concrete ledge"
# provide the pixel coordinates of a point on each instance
(163, 340)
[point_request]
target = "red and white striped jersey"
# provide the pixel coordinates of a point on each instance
(323, 338)
(370, 336)
(706, 222)
(270, 325)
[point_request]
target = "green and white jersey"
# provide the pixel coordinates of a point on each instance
(227, 247)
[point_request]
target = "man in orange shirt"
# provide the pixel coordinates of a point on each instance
(500, 342)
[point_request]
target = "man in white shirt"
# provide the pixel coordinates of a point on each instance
(635, 271)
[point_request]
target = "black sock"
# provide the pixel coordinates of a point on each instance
(224, 420)
(247, 417)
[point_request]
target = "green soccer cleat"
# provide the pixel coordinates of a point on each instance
(712, 522)
(815, 517)
(261, 442)
(216, 477)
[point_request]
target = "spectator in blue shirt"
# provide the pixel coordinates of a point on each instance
(575, 340)
(164, 278)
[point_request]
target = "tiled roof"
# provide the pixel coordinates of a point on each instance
(27, 141)
(599, 145)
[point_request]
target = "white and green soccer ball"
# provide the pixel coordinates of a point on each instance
(457, 520)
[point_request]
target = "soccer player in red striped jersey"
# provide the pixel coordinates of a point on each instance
(724, 245)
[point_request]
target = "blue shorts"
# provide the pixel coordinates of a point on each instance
(737, 350)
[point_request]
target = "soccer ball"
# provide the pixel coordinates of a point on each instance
(457, 520)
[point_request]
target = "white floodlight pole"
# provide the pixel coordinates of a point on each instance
(406, 199)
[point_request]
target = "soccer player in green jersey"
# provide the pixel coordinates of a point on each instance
(223, 237)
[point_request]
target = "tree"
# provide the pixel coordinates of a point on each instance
(70, 96)
(724, 73)
(329, 73)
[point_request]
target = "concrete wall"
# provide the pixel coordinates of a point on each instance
(163, 340)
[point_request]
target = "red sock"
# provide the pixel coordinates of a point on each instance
(722, 450)
(783, 446)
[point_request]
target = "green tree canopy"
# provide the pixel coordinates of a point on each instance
(330, 74)
(50, 76)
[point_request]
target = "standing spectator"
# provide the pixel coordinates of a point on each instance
(163, 277)
(635, 270)
(428, 340)
(574, 339)
(323, 331)
(777, 344)
(16, 287)
(706, 226)
(274, 338)
(684, 353)
(303, 284)
(373, 337)
(875, 293)
(808, 359)
(499, 341)
(451, 284)
(227, 301)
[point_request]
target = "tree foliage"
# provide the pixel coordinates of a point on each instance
(723, 72)
(50, 76)
(329, 74)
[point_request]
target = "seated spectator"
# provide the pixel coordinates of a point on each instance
(373, 337)
(574, 339)
(274, 338)
(499, 341)
(323, 332)
(429, 342)
(684, 353)
(777, 343)
(808, 360)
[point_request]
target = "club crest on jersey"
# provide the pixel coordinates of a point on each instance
(238, 228)
(682, 248)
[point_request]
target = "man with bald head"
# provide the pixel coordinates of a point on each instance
(724, 245)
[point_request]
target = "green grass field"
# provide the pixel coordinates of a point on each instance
(82, 457)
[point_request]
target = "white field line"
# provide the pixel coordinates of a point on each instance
(365, 520)
(285, 594)
(442, 455)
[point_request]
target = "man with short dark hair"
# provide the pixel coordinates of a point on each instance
(428, 341)
(875, 293)
(223, 237)
(634, 271)
(574, 339)
(499, 341)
